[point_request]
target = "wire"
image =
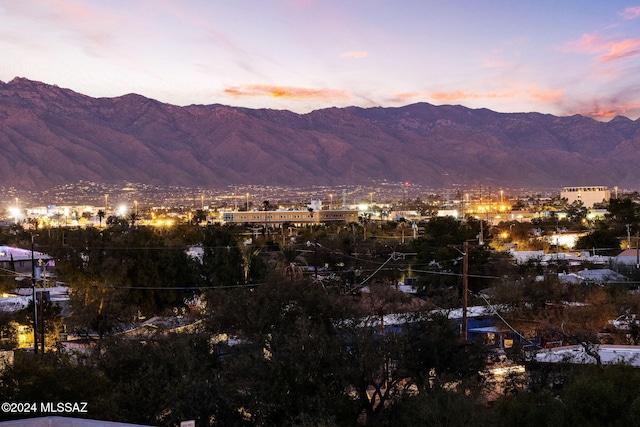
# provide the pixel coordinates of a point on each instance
(175, 288)
(478, 276)
(495, 311)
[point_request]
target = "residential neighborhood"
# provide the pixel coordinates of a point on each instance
(361, 293)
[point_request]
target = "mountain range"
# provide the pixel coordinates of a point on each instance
(51, 136)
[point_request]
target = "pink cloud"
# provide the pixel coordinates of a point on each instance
(631, 12)
(546, 95)
(551, 96)
(600, 112)
(622, 49)
(457, 95)
(294, 93)
(588, 43)
(592, 44)
(497, 63)
(354, 54)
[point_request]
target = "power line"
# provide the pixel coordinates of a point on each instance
(495, 311)
(478, 276)
(172, 288)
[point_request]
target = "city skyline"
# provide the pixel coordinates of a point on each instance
(560, 58)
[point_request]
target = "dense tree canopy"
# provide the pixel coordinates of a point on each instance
(296, 330)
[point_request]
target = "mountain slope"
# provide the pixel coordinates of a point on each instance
(50, 136)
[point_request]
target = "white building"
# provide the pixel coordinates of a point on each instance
(609, 355)
(587, 195)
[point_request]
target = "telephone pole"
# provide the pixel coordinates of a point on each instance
(35, 303)
(465, 288)
(465, 285)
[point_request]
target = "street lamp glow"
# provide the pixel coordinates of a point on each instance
(122, 210)
(15, 213)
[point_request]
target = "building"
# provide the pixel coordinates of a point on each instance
(628, 257)
(19, 260)
(314, 215)
(576, 354)
(587, 195)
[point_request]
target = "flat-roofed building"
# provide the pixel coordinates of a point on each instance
(19, 260)
(587, 195)
(302, 217)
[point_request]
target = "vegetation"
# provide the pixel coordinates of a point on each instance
(293, 326)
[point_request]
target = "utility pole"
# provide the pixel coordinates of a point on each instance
(35, 304)
(465, 285)
(637, 250)
(465, 288)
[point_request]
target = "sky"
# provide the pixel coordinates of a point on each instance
(556, 57)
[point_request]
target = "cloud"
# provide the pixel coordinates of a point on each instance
(293, 93)
(540, 94)
(83, 25)
(606, 109)
(553, 96)
(589, 43)
(517, 93)
(497, 63)
(608, 50)
(452, 96)
(631, 12)
(623, 49)
(354, 54)
(461, 94)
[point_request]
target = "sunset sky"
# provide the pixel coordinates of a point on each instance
(560, 57)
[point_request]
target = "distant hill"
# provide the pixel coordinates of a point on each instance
(51, 136)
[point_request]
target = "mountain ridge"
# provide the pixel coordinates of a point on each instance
(51, 136)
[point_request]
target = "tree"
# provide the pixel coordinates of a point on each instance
(116, 223)
(249, 258)
(576, 211)
(222, 258)
(439, 408)
(56, 377)
(101, 215)
(165, 379)
(132, 218)
(136, 269)
(288, 331)
(603, 240)
(199, 217)
(286, 262)
(623, 211)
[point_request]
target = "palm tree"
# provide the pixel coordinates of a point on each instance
(101, 215)
(248, 255)
(287, 264)
(132, 217)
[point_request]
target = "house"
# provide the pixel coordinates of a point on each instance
(601, 276)
(19, 260)
(576, 354)
(628, 257)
